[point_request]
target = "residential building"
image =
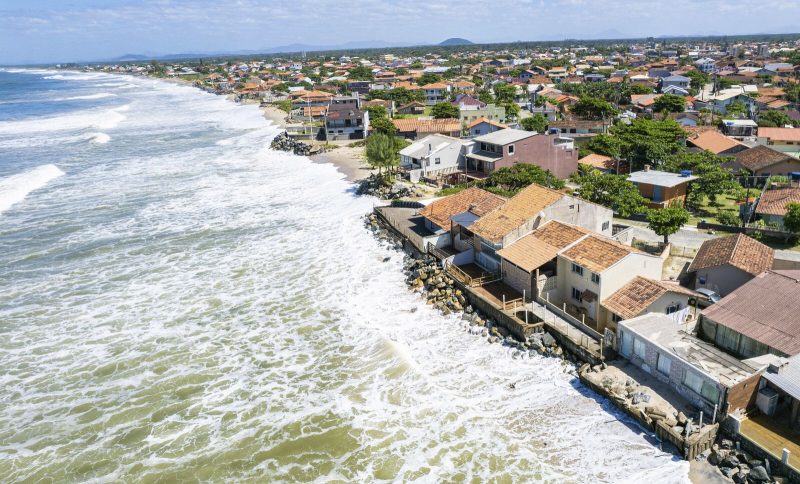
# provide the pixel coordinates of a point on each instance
(482, 126)
(771, 206)
(710, 378)
(727, 263)
(662, 188)
(580, 128)
(413, 107)
(415, 128)
(762, 160)
(715, 142)
(488, 111)
(434, 156)
(604, 163)
(450, 218)
(642, 295)
(345, 119)
(758, 318)
(524, 212)
(681, 82)
(507, 147)
(436, 93)
(739, 128)
(785, 140)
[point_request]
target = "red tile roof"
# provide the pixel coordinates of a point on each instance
(740, 251)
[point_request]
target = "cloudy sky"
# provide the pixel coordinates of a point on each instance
(72, 30)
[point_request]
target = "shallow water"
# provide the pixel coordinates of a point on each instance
(184, 304)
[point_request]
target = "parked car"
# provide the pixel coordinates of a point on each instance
(709, 297)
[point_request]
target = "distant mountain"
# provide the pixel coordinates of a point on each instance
(131, 57)
(456, 41)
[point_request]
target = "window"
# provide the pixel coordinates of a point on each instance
(576, 294)
(664, 364)
(577, 269)
(510, 149)
(595, 278)
(710, 392)
(693, 382)
(616, 318)
(673, 308)
(639, 348)
(438, 161)
(605, 226)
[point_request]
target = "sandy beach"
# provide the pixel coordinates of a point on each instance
(277, 116)
(347, 160)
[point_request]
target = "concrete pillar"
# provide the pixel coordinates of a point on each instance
(785, 457)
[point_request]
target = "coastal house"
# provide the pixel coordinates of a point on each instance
(771, 205)
(762, 160)
(715, 142)
(507, 147)
(642, 295)
(711, 379)
(727, 263)
(675, 81)
(785, 140)
(415, 128)
(662, 188)
(758, 318)
(526, 211)
(345, 119)
(739, 128)
(434, 156)
(450, 218)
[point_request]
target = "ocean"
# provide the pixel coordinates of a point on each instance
(178, 303)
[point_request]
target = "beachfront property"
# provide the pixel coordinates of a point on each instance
(433, 157)
(526, 211)
(345, 119)
(642, 296)
(711, 379)
(507, 147)
(727, 263)
(416, 128)
(661, 188)
(449, 219)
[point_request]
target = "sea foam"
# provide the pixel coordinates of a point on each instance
(15, 188)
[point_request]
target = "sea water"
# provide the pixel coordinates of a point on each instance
(180, 303)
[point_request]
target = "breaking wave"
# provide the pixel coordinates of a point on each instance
(15, 188)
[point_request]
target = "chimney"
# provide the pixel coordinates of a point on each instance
(646, 167)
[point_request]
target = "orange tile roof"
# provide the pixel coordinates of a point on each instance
(488, 121)
(714, 141)
(472, 199)
(446, 125)
(541, 245)
(762, 156)
(597, 254)
(435, 85)
(773, 202)
(601, 162)
(740, 251)
(520, 208)
(636, 296)
(780, 134)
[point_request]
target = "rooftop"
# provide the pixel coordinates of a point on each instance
(764, 309)
(760, 157)
(505, 136)
(740, 251)
(517, 210)
(542, 245)
(473, 199)
(661, 330)
(597, 253)
(780, 134)
(637, 295)
(659, 178)
(714, 141)
(773, 202)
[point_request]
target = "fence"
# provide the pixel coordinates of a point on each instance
(569, 319)
(771, 233)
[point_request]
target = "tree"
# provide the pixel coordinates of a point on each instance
(360, 73)
(445, 110)
(512, 110)
(774, 119)
(382, 126)
(638, 89)
(593, 108)
(669, 103)
(486, 97)
(428, 78)
(667, 221)
(537, 123)
(737, 108)
(648, 141)
(714, 179)
(791, 221)
(510, 180)
(613, 191)
(605, 144)
(504, 93)
(699, 79)
(284, 105)
(383, 151)
(376, 112)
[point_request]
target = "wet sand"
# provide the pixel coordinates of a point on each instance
(349, 161)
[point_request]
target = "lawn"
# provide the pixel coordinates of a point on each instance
(708, 211)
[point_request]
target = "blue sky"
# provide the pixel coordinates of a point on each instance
(71, 30)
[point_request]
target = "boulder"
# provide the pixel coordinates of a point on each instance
(758, 474)
(729, 461)
(548, 340)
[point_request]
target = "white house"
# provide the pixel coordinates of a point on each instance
(433, 156)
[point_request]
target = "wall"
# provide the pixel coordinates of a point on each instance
(541, 151)
(490, 112)
(517, 278)
(743, 395)
(623, 271)
(783, 168)
(583, 214)
(724, 279)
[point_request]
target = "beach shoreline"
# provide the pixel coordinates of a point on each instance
(348, 160)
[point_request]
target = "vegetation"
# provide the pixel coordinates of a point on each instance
(613, 191)
(669, 103)
(593, 108)
(444, 110)
(791, 221)
(428, 78)
(360, 73)
(284, 105)
(383, 151)
(774, 119)
(667, 221)
(508, 181)
(383, 126)
(714, 179)
(645, 141)
(537, 123)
